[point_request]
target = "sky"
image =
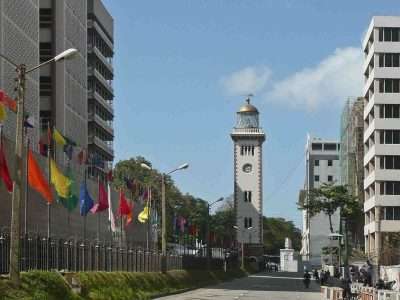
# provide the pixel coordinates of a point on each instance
(183, 68)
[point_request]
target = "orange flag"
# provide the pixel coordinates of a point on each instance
(37, 180)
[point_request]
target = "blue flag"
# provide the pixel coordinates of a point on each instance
(85, 200)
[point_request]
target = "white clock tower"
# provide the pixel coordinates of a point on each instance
(248, 138)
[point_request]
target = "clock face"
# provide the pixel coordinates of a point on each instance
(247, 168)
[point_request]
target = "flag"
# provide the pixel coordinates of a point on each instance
(36, 179)
(144, 215)
(102, 201)
(129, 217)
(110, 212)
(4, 173)
(85, 200)
(124, 209)
(44, 142)
(7, 101)
(59, 138)
(82, 157)
(29, 122)
(3, 113)
(182, 223)
(68, 150)
(61, 183)
(72, 201)
(110, 176)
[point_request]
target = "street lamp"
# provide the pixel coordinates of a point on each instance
(21, 71)
(242, 243)
(209, 205)
(164, 213)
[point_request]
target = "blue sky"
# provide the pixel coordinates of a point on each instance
(182, 69)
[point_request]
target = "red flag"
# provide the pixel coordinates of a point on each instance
(7, 101)
(82, 157)
(36, 179)
(124, 208)
(102, 201)
(110, 176)
(4, 174)
(129, 217)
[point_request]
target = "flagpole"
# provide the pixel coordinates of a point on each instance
(26, 183)
(48, 203)
(148, 218)
(98, 213)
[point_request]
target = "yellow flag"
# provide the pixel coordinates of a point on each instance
(144, 215)
(3, 113)
(57, 136)
(61, 183)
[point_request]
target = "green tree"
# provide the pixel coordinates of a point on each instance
(275, 232)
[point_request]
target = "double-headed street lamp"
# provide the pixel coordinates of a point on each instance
(242, 243)
(22, 70)
(164, 214)
(209, 205)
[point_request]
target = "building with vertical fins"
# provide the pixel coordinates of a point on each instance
(100, 46)
(248, 138)
(381, 71)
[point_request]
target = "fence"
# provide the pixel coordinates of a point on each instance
(39, 253)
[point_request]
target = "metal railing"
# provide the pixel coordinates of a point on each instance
(41, 253)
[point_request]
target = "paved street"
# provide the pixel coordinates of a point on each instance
(262, 286)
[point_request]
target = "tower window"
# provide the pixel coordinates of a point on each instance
(329, 163)
(316, 178)
(247, 196)
(246, 223)
(330, 178)
(250, 222)
(316, 163)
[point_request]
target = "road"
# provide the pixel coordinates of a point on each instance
(261, 286)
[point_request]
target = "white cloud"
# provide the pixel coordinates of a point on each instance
(246, 81)
(335, 78)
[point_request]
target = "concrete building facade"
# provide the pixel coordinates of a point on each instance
(100, 91)
(381, 71)
(248, 138)
(322, 166)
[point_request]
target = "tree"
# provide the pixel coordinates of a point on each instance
(275, 232)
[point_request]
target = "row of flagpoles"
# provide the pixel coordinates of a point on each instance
(64, 184)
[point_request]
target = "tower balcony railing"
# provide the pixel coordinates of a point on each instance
(247, 130)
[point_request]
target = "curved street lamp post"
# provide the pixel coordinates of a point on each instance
(21, 71)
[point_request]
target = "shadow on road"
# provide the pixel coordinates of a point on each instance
(277, 281)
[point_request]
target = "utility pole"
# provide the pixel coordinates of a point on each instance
(17, 185)
(163, 227)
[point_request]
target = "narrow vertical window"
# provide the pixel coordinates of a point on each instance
(246, 223)
(249, 196)
(381, 34)
(250, 222)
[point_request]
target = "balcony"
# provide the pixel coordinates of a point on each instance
(249, 132)
(102, 145)
(104, 60)
(102, 123)
(105, 103)
(106, 83)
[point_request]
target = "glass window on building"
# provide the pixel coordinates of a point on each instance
(330, 163)
(316, 162)
(316, 178)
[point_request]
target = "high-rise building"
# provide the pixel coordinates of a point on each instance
(19, 32)
(352, 162)
(248, 138)
(381, 70)
(63, 86)
(322, 166)
(100, 92)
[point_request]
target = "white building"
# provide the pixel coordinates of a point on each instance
(248, 138)
(322, 166)
(381, 47)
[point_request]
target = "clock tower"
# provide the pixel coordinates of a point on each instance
(248, 138)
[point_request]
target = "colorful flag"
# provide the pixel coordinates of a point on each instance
(58, 137)
(37, 180)
(124, 208)
(182, 223)
(4, 173)
(29, 122)
(102, 201)
(61, 183)
(82, 157)
(144, 215)
(44, 143)
(110, 176)
(68, 150)
(85, 200)
(72, 201)
(110, 212)
(3, 113)
(7, 101)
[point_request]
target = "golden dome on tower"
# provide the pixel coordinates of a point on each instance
(248, 108)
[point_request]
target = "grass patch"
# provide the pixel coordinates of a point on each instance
(39, 285)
